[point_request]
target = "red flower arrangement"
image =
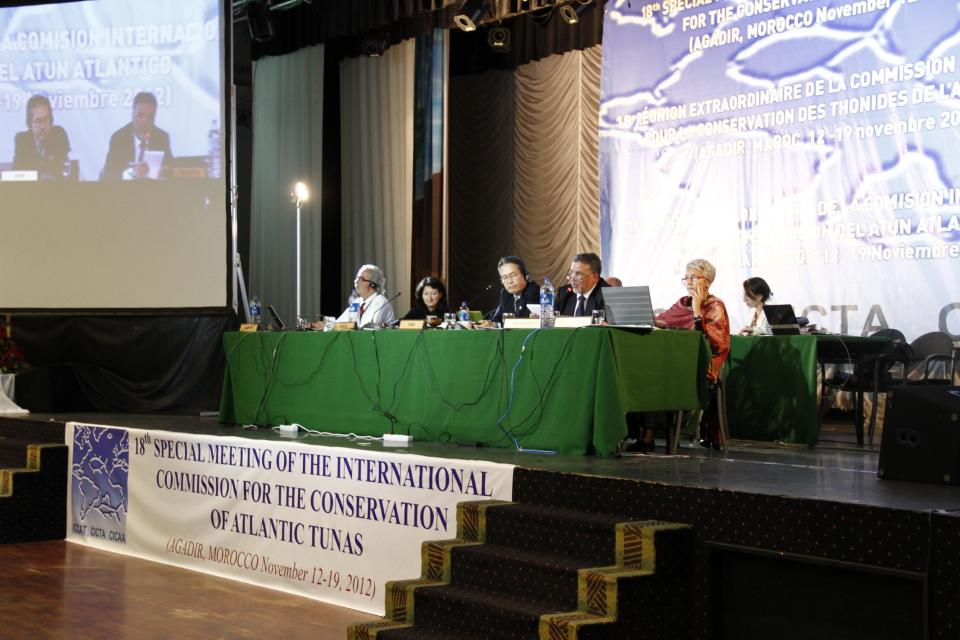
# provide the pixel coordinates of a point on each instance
(11, 359)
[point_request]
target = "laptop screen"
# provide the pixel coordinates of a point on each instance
(781, 319)
(630, 306)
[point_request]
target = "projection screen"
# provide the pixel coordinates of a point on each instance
(113, 180)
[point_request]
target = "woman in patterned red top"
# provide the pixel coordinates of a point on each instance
(700, 311)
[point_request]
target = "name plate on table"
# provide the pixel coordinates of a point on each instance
(411, 324)
(249, 328)
(521, 323)
(18, 176)
(344, 326)
(571, 322)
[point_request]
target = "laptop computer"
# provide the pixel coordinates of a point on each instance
(277, 322)
(782, 320)
(628, 306)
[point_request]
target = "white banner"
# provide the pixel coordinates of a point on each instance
(328, 523)
(810, 143)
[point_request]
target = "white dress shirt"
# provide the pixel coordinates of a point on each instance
(376, 312)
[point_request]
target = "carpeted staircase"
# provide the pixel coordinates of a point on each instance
(525, 571)
(33, 480)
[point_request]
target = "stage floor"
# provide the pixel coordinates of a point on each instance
(835, 470)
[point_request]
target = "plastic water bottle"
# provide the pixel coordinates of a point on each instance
(464, 314)
(546, 303)
(354, 306)
(255, 310)
(213, 151)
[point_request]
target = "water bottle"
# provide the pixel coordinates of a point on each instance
(546, 303)
(255, 310)
(354, 306)
(213, 151)
(464, 314)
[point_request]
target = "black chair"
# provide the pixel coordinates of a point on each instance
(916, 363)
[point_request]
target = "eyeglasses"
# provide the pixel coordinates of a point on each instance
(356, 280)
(576, 275)
(510, 276)
(690, 278)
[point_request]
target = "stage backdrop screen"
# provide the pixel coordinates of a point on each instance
(112, 180)
(809, 142)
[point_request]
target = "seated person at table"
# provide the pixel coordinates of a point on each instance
(699, 311)
(584, 294)
(518, 289)
(44, 147)
(127, 157)
(375, 310)
(756, 292)
(614, 281)
(430, 299)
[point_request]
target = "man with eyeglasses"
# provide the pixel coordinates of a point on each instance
(518, 291)
(375, 309)
(44, 147)
(584, 293)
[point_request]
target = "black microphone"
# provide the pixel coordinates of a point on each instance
(482, 291)
(389, 300)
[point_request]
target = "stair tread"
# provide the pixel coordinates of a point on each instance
(501, 552)
(480, 599)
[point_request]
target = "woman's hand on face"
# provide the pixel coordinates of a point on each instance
(699, 294)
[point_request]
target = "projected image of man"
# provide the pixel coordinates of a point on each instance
(140, 149)
(44, 147)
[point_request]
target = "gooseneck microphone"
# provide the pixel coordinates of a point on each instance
(482, 291)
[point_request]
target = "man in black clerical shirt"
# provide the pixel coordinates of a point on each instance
(584, 294)
(44, 148)
(518, 289)
(129, 145)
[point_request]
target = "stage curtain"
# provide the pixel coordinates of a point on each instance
(376, 102)
(287, 147)
(480, 181)
(556, 194)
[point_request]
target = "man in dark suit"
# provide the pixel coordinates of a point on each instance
(126, 157)
(584, 294)
(518, 289)
(45, 147)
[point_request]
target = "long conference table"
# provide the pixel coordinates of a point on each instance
(562, 390)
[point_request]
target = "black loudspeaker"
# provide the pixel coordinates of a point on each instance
(259, 20)
(921, 435)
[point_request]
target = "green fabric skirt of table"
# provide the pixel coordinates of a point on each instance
(771, 389)
(564, 390)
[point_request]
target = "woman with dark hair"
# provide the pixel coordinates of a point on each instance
(430, 299)
(756, 292)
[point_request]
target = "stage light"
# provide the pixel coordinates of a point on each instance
(374, 43)
(301, 192)
(498, 39)
(259, 20)
(581, 6)
(568, 14)
(469, 15)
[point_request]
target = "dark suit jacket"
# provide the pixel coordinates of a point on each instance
(50, 165)
(121, 152)
(566, 302)
(529, 295)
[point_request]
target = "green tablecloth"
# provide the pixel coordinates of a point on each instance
(771, 388)
(568, 393)
(772, 383)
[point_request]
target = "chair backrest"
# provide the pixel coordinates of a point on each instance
(933, 343)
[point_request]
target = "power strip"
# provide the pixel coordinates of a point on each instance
(397, 438)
